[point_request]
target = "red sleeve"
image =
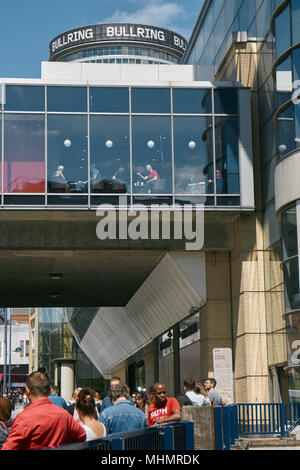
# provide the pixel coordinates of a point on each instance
(77, 433)
(174, 405)
(17, 437)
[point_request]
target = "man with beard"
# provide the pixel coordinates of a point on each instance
(163, 410)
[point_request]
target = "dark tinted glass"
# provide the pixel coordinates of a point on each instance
(227, 156)
(191, 101)
(109, 100)
(193, 152)
(109, 170)
(150, 100)
(151, 154)
(24, 98)
(66, 99)
(67, 153)
(226, 101)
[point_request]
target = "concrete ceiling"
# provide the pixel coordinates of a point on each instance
(37, 243)
(88, 277)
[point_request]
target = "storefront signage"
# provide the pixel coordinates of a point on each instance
(117, 32)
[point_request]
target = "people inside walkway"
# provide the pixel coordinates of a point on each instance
(5, 419)
(213, 395)
(197, 399)
(42, 425)
(123, 416)
(86, 408)
(164, 410)
(55, 398)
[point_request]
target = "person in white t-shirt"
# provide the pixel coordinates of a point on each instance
(198, 399)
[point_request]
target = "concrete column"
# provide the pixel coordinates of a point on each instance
(67, 377)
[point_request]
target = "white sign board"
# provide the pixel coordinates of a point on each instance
(222, 361)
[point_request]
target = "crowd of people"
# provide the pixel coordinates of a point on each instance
(49, 421)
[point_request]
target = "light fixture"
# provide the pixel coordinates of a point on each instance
(55, 275)
(192, 144)
(54, 295)
(67, 143)
(109, 144)
(282, 148)
(150, 144)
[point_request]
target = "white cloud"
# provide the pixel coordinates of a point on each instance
(154, 12)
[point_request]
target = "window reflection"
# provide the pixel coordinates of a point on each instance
(150, 100)
(66, 99)
(109, 100)
(67, 154)
(110, 154)
(289, 232)
(225, 101)
(24, 160)
(151, 146)
(24, 98)
(227, 156)
(192, 101)
(193, 155)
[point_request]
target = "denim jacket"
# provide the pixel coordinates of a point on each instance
(122, 417)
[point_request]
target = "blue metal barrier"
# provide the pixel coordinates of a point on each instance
(175, 436)
(254, 419)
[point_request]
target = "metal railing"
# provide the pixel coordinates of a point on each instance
(175, 436)
(254, 419)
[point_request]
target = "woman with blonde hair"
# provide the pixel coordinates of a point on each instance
(86, 409)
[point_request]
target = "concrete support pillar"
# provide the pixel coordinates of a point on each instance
(66, 378)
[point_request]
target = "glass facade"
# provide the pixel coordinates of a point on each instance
(286, 69)
(56, 340)
(273, 26)
(121, 55)
(74, 145)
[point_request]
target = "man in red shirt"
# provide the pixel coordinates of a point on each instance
(164, 410)
(42, 424)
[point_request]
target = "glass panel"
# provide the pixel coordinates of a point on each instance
(67, 154)
(110, 157)
(24, 98)
(295, 14)
(26, 200)
(152, 166)
(192, 101)
(281, 99)
(291, 284)
(227, 156)
(282, 31)
(228, 201)
(225, 101)
(246, 14)
(205, 200)
(289, 232)
(24, 165)
(66, 99)
(67, 200)
(286, 136)
(150, 100)
(109, 100)
(122, 200)
(193, 155)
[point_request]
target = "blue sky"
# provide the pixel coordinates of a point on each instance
(27, 26)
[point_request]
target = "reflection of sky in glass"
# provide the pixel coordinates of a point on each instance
(190, 163)
(110, 146)
(158, 130)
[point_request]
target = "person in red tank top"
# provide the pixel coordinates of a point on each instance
(163, 410)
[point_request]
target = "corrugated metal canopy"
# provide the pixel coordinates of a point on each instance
(165, 298)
